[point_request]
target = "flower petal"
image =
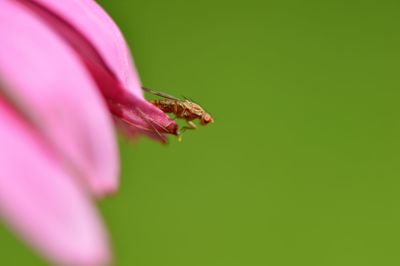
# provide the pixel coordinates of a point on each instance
(48, 79)
(44, 204)
(101, 31)
(96, 38)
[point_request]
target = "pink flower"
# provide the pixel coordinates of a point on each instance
(64, 68)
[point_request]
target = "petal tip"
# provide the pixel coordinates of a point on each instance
(104, 189)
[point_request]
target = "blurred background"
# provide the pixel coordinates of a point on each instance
(302, 164)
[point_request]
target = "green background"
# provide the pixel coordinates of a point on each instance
(302, 164)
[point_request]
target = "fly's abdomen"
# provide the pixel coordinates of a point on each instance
(166, 106)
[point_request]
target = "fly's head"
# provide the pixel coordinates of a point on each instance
(206, 118)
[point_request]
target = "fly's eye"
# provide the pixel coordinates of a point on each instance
(206, 119)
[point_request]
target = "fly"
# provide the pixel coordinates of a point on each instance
(182, 108)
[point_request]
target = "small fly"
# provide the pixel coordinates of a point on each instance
(185, 109)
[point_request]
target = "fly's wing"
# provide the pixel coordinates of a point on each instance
(161, 94)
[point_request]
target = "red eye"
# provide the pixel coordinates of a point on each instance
(206, 119)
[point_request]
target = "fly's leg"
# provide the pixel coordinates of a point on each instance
(190, 125)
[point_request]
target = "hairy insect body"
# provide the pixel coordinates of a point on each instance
(181, 108)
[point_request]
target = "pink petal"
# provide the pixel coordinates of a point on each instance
(47, 77)
(95, 37)
(101, 31)
(43, 203)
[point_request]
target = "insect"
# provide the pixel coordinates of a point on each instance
(182, 108)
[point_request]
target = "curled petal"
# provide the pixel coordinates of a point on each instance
(87, 17)
(46, 77)
(43, 203)
(99, 43)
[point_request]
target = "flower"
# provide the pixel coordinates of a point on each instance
(65, 74)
